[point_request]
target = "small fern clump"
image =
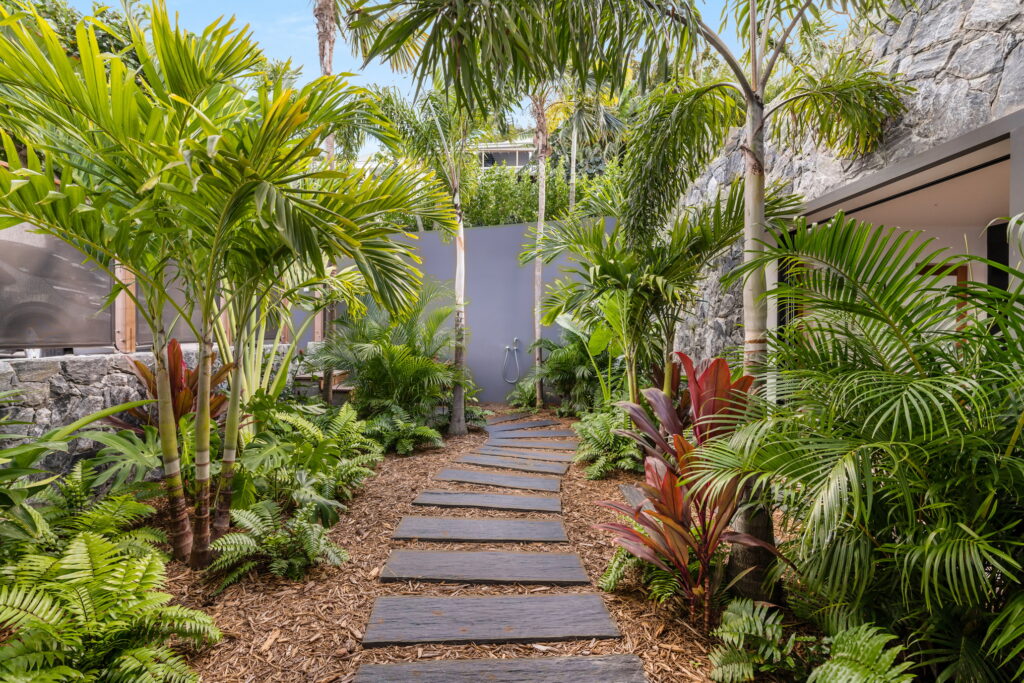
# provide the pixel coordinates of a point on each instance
(69, 507)
(93, 613)
(602, 448)
(397, 432)
(754, 644)
(286, 548)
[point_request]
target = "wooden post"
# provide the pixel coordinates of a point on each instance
(124, 312)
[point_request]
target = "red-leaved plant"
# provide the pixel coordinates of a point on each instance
(184, 396)
(681, 526)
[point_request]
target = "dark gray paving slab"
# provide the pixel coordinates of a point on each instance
(498, 419)
(555, 569)
(525, 453)
(607, 669)
(523, 443)
(508, 481)
(480, 530)
(535, 434)
(520, 464)
(512, 426)
(489, 501)
(502, 619)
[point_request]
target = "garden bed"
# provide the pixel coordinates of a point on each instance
(276, 630)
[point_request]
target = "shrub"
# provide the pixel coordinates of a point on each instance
(397, 432)
(502, 195)
(754, 645)
(602, 447)
(94, 613)
(286, 548)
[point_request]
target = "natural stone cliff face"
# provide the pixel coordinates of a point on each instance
(965, 58)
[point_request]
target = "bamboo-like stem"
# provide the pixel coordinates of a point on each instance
(201, 540)
(222, 516)
(541, 144)
(457, 425)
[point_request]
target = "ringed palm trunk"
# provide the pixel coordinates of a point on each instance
(326, 36)
(753, 519)
(541, 143)
(572, 166)
(457, 426)
(180, 525)
(222, 517)
(201, 541)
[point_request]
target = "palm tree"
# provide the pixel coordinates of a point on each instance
(436, 131)
(188, 165)
(838, 98)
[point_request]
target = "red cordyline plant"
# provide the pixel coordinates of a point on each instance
(681, 526)
(184, 396)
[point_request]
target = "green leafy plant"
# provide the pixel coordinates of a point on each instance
(286, 548)
(603, 447)
(754, 645)
(394, 361)
(397, 432)
(94, 613)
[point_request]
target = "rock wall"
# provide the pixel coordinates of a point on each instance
(965, 58)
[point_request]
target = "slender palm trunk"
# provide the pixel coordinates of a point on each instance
(222, 517)
(457, 426)
(201, 541)
(572, 166)
(326, 36)
(541, 145)
(753, 519)
(180, 525)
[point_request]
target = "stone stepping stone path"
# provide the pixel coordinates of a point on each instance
(520, 464)
(489, 501)
(479, 530)
(556, 569)
(536, 434)
(617, 668)
(508, 481)
(523, 443)
(502, 619)
(526, 618)
(524, 453)
(518, 426)
(511, 417)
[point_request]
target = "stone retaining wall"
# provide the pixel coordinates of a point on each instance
(965, 58)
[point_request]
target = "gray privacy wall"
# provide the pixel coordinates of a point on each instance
(965, 59)
(499, 295)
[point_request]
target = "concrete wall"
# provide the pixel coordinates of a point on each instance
(499, 296)
(965, 59)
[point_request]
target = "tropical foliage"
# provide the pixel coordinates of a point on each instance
(895, 368)
(284, 547)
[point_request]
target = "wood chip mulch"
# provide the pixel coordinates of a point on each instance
(310, 631)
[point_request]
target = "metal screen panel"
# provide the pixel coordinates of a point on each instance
(48, 296)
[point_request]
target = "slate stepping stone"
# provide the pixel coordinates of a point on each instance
(508, 481)
(480, 530)
(498, 419)
(489, 501)
(607, 669)
(512, 426)
(514, 463)
(535, 434)
(525, 453)
(523, 443)
(555, 569)
(503, 619)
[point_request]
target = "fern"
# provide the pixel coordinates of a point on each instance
(605, 450)
(397, 432)
(621, 563)
(284, 548)
(94, 613)
(859, 655)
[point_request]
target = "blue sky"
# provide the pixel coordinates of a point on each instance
(285, 29)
